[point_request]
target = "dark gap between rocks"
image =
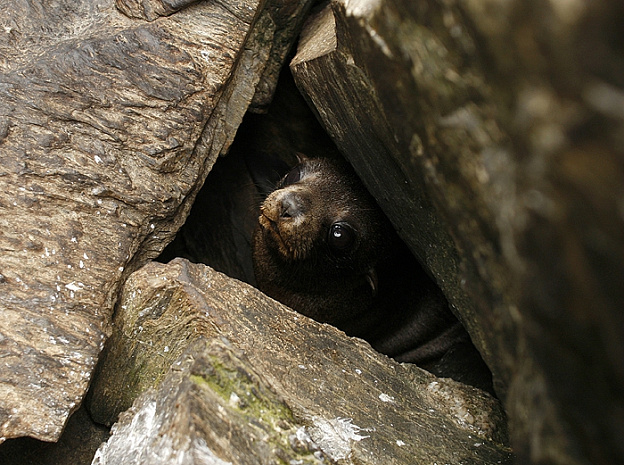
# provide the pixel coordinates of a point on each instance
(218, 229)
(220, 225)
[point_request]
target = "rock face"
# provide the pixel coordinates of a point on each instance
(379, 126)
(489, 133)
(251, 381)
(111, 115)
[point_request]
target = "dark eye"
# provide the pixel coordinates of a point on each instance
(292, 177)
(341, 237)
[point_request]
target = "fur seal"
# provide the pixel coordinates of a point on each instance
(324, 248)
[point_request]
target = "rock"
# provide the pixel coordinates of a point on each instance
(490, 134)
(229, 374)
(212, 408)
(109, 125)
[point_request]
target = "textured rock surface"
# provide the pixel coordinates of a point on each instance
(279, 375)
(108, 127)
(212, 408)
(491, 134)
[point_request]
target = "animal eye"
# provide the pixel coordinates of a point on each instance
(341, 237)
(292, 177)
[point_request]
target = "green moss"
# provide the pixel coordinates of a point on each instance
(242, 394)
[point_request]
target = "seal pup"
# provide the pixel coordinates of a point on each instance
(324, 248)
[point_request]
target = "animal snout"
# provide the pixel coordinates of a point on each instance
(291, 205)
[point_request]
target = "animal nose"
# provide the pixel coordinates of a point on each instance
(291, 205)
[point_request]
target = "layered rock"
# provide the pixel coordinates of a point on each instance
(490, 134)
(228, 373)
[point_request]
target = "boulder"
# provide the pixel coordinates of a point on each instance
(214, 370)
(489, 132)
(491, 135)
(111, 116)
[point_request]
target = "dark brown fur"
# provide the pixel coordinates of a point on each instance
(370, 286)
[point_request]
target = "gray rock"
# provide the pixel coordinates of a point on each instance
(491, 134)
(212, 408)
(230, 375)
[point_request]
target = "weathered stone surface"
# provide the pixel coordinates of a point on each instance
(490, 134)
(278, 375)
(211, 408)
(151, 9)
(285, 19)
(108, 127)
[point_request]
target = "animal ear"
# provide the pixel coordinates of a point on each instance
(371, 279)
(301, 157)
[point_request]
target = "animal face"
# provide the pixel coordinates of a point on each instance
(319, 214)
